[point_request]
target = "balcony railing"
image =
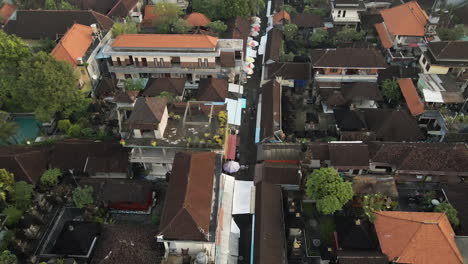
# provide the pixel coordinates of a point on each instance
(346, 78)
(174, 68)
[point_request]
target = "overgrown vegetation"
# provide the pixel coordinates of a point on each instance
(391, 90)
(128, 26)
(83, 196)
(376, 202)
(449, 211)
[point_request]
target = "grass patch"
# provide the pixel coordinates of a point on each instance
(326, 227)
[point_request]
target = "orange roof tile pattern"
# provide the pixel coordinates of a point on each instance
(74, 44)
(383, 35)
(415, 105)
(417, 237)
(405, 20)
(281, 15)
(150, 16)
(181, 41)
(5, 12)
(197, 19)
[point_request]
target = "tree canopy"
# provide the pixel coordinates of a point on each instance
(329, 190)
(6, 257)
(217, 26)
(50, 177)
(22, 194)
(319, 36)
(348, 34)
(47, 87)
(181, 26)
(169, 18)
(376, 202)
(454, 33)
(223, 9)
(450, 211)
(290, 31)
(134, 84)
(83, 196)
(7, 128)
(7, 179)
(128, 26)
(391, 90)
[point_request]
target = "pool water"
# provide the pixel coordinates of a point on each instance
(28, 129)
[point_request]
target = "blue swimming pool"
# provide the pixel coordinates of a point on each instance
(29, 128)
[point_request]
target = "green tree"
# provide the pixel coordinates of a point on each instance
(47, 87)
(22, 195)
(348, 34)
(217, 26)
(7, 238)
(50, 177)
(168, 15)
(74, 130)
(168, 95)
(83, 196)
(449, 211)
(207, 7)
(13, 215)
(128, 26)
(8, 258)
(12, 51)
(391, 90)
(455, 33)
(319, 12)
(64, 5)
(233, 8)
(290, 9)
(7, 129)
(50, 4)
(376, 202)
(46, 45)
(328, 189)
(7, 179)
(181, 26)
(134, 84)
(319, 36)
(290, 31)
(63, 125)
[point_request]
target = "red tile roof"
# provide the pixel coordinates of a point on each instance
(197, 19)
(73, 44)
(417, 237)
(383, 35)
(405, 20)
(165, 41)
(150, 16)
(5, 12)
(415, 105)
(280, 16)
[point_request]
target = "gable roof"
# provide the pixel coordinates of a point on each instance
(449, 50)
(361, 90)
(349, 155)
(280, 16)
(74, 44)
(156, 86)
(289, 70)
(26, 163)
(392, 125)
(126, 97)
(52, 24)
(348, 58)
(307, 20)
(273, 46)
(407, 19)
(6, 11)
(187, 210)
(416, 237)
(415, 105)
(384, 36)
(101, 6)
(269, 225)
(197, 19)
(147, 113)
(212, 89)
(122, 8)
(238, 28)
(278, 173)
(270, 120)
(177, 41)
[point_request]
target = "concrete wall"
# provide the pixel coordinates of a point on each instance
(162, 125)
(350, 15)
(193, 246)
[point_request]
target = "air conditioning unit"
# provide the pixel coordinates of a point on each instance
(80, 60)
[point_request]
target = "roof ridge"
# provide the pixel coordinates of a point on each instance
(457, 253)
(411, 239)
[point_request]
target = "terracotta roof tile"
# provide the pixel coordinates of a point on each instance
(383, 35)
(165, 41)
(74, 44)
(187, 211)
(150, 16)
(197, 19)
(417, 237)
(172, 85)
(147, 113)
(405, 20)
(212, 89)
(6, 11)
(280, 16)
(415, 105)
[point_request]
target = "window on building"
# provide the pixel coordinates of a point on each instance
(200, 63)
(119, 62)
(339, 13)
(161, 62)
(428, 66)
(137, 62)
(128, 76)
(334, 70)
(344, 13)
(206, 63)
(144, 62)
(156, 63)
(424, 60)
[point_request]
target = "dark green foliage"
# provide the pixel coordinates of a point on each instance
(83, 196)
(290, 9)
(63, 125)
(127, 27)
(450, 211)
(224, 9)
(13, 215)
(134, 84)
(348, 35)
(50, 177)
(290, 31)
(329, 190)
(376, 202)
(391, 90)
(6, 257)
(217, 27)
(319, 36)
(455, 33)
(74, 130)
(22, 195)
(319, 12)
